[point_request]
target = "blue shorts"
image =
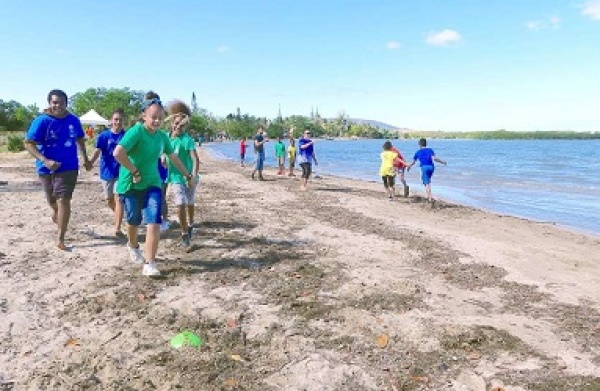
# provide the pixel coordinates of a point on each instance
(260, 161)
(426, 174)
(148, 202)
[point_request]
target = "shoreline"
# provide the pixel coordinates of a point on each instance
(420, 193)
(328, 289)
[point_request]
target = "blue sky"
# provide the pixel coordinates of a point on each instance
(420, 64)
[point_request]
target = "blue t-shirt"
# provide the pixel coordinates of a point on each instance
(305, 154)
(107, 142)
(260, 138)
(424, 156)
(56, 139)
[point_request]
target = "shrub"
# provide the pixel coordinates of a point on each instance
(15, 143)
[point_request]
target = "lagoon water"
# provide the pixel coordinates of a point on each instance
(543, 180)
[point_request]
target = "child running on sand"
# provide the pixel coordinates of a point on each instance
(109, 167)
(426, 157)
(139, 184)
(185, 148)
(386, 170)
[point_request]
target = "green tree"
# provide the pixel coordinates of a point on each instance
(104, 101)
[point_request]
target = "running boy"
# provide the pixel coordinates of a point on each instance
(106, 143)
(426, 157)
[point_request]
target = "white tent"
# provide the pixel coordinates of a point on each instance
(93, 118)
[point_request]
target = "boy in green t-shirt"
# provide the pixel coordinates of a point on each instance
(280, 155)
(185, 148)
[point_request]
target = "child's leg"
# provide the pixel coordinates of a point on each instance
(191, 212)
(182, 213)
(428, 191)
(118, 217)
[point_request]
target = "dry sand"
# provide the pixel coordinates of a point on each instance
(335, 288)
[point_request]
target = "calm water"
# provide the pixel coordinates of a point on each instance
(543, 180)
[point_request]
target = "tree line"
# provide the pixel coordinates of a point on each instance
(15, 116)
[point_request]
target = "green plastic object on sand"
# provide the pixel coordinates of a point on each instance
(186, 338)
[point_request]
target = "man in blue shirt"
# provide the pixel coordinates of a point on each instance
(106, 143)
(52, 139)
(306, 152)
(259, 153)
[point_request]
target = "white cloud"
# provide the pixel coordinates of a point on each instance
(552, 22)
(592, 9)
(443, 38)
(534, 25)
(223, 49)
(392, 45)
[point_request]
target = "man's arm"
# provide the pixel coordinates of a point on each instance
(31, 147)
(86, 161)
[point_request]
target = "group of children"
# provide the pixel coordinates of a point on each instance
(393, 163)
(280, 155)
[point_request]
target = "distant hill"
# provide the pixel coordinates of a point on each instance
(376, 124)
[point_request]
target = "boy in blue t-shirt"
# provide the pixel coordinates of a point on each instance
(53, 138)
(106, 143)
(426, 157)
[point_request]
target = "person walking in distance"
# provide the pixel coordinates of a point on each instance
(280, 155)
(307, 157)
(259, 151)
(106, 142)
(52, 139)
(243, 147)
(292, 156)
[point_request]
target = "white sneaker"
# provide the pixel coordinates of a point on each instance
(164, 226)
(150, 269)
(135, 254)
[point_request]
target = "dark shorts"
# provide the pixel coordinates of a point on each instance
(388, 181)
(148, 202)
(243, 155)
(306, 170)
(59, 185)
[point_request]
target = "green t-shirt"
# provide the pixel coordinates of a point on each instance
(144, 149)
(279, 149)
(182, 145)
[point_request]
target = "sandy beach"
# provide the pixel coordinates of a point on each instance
(335, 288)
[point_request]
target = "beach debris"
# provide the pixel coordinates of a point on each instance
(236, 357)
(72, 342)
(232, 323)
(419, 379)
(231, 382)
(383, 340)
(186, 338)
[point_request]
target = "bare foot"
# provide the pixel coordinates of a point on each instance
(61, 246)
